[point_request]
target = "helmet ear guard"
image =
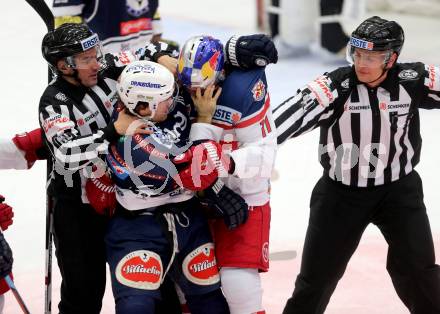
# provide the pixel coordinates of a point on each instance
(145, 82)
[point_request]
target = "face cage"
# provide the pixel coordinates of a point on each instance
(86, 63)
(350, 56)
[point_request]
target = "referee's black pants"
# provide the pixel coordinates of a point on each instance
(338, 218)
(79, 241)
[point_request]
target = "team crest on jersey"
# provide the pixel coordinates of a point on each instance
(259, 90)
(140, 269)
(200, 266)
(137, 7)
(345, 84)
(408, 74)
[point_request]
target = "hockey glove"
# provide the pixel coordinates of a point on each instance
(31, 143)
(247, 52)
(101, 194)
(200, 166)
(6, 258)
(227, 204)
(6, 214)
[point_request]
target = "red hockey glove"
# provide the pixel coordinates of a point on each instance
(101, 194)
(6, 214)
(29, 143)
(201, 165)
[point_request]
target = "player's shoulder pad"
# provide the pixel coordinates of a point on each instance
(244, 95)
(241, 88)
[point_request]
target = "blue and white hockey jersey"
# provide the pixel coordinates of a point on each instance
(243, 123)
(141, 166)
(120, 24)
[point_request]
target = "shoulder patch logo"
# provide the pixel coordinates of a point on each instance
(345, 83)
(259, 91)
(408, 74)
(61, 97)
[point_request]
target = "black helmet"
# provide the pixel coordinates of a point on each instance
(66, 41)
(378, 34)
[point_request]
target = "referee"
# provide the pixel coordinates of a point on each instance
(370, 142)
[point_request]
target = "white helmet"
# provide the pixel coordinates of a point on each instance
(145, 81)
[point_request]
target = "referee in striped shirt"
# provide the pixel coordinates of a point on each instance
(370, 142)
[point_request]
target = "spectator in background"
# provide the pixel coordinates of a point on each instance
(120, 24)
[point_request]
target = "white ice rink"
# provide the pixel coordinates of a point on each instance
(365, 288)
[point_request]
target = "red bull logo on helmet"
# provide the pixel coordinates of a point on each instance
(209, 69)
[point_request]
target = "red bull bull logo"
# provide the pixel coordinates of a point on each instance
(209, 69)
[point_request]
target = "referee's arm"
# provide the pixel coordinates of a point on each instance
(312, 104)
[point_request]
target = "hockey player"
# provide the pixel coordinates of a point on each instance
(121, 24)
(159, 227)
(370, 142)
(242, 121)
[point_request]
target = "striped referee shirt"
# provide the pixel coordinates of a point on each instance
(77, 121)
(368, 136)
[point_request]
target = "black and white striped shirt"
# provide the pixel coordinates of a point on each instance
(369, 136)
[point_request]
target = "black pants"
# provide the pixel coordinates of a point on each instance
(80, 251)
(338, 218)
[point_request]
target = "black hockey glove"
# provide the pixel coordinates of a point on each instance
(247, 52)
(227, 204)
(5, 257)
(153, 51)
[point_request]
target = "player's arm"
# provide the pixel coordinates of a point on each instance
(68, 11)
(22, 150)
(431, 77)
(311, 105)
(245, 52)
(72, 150)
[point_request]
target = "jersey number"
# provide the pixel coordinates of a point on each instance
(265, 126)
